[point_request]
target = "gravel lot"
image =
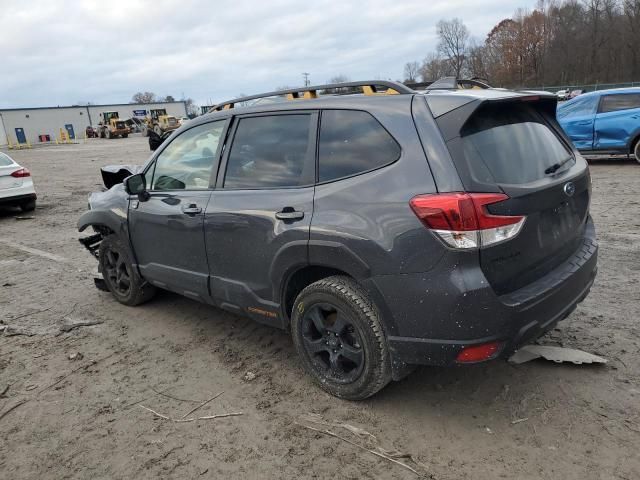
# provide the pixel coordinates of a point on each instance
(83, 417)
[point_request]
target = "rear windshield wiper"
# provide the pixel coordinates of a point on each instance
(557, 166)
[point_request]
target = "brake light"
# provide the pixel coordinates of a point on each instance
(23, 172)
(462, 220)
(478, 353)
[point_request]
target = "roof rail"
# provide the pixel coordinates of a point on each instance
(369, 87)
(453, 83)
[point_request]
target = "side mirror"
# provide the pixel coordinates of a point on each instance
(137, 185)
(154, 140)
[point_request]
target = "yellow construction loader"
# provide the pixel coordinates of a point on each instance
(159, 122)
(111, 126)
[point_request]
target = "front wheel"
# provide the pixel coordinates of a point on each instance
(636, 151)
(121, 278)
(337, 332)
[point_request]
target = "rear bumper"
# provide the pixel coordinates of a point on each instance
(18, 195)
(437, 314)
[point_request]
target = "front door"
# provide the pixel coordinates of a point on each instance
(20, 136)
(167, 229)
(257, 222)
(70, 132)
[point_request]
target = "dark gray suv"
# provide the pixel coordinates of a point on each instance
(385, 228)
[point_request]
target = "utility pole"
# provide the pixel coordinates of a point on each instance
(306, 78)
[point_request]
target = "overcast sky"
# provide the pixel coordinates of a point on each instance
(66, 52)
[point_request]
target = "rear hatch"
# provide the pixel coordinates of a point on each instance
(515, 146)
(7, 167)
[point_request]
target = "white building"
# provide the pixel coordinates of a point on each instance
(35, 124)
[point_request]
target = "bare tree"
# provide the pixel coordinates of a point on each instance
(192, 108)
(411, 71)
(143, 97)
(434, 67)
(477, 60)
(454, 36)
(340, 78)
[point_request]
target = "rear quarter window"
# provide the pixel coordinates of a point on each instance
(5, 160)
(353, 142)
(511, 144)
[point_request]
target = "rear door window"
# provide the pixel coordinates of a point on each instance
(512, 144)
(272, 151)
(622, 101)
(353, 142)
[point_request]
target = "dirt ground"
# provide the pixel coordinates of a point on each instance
(83, 417)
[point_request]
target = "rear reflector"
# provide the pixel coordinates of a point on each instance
(462, 220)
(23, 172)
(478, 353)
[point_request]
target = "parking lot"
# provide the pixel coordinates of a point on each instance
(81, 393)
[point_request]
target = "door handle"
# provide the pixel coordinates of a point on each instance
(288, 213)
(192, 209)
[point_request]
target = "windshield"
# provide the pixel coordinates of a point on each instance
(512, 144)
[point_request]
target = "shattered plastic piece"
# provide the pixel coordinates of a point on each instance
(554, 354)
(249, 376)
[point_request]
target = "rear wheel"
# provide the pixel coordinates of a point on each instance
(109, 133)
(338, 334)
(28, 206)
(125, 135)
(636, 150)
(121, 278)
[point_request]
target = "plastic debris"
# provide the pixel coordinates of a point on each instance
(554, 354)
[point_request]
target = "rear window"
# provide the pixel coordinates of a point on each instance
(5, 160)
(511, 144)
(353, 142)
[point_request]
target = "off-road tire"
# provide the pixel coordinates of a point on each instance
(28, 206)
(125, 135)
(140, 291)
(346, 295)
(108, 133)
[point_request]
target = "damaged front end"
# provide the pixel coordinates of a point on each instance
(107, 213)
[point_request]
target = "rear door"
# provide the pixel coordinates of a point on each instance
(257, 221)
(577, 118)
(516, 147)
(166, 230)
(618, 119)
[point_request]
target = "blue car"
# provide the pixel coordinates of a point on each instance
(604, 122)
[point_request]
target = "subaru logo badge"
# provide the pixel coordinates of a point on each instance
(569, 189)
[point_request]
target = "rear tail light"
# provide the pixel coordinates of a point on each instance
(23, 172)
(462, 220)
(479, 353)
